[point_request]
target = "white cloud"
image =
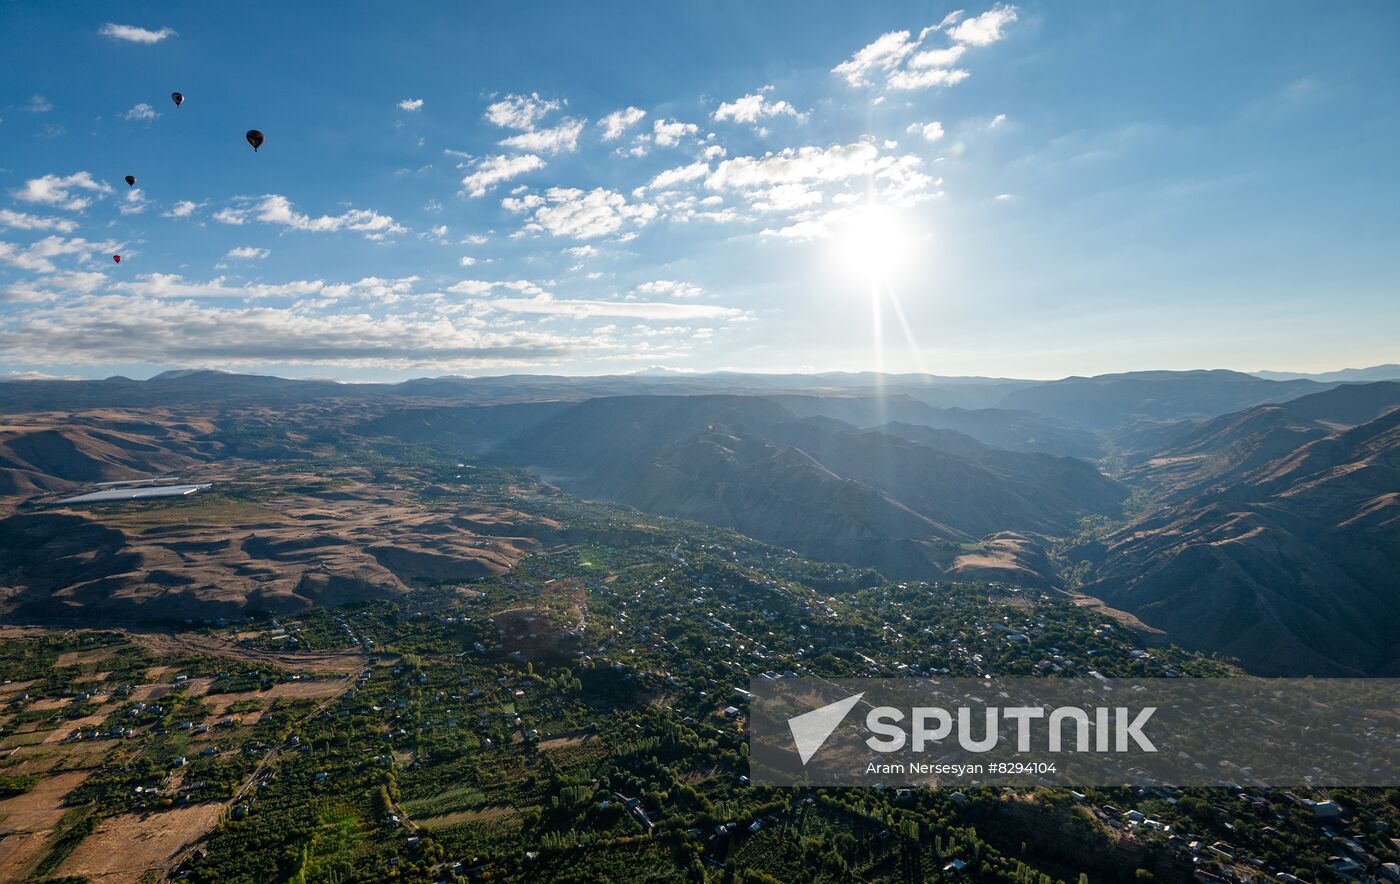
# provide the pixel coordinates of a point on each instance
(24, 221)
(52, 190)
(619, 121)
(277, 209)
(903, 182)
(679, 175)
(668, 133)
(802, 231)
(133, 34)
(247, 253)
(882, 55)
(39, 256)
(491, 171)
(182, 209)
(52, 286)
(142, 111)
(126, 329)
(793, 165)
(752, 107)
(937, 58)
(567, 211)
(923, 79)
(997, 121)
(670, 287)
(984, 29)
(172, 285)
(38, 104)
(948, 21)
(785, 198)
(582, 251)
(520, 111)
(560, 139)
(1003, 197)
(472, 287)
(41, 376)
(411, 104)
(905, 65)
(133, 202)
(466, 261)
(577, 308)
(931, 131)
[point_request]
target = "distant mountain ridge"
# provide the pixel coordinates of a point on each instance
(1108, 401)
(1388, 372)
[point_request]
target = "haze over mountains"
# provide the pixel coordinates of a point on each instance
(1263, 523)
(1389, 372)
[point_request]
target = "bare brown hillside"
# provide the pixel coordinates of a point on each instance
(215, 556)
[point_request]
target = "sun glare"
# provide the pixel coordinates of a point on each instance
(874, 244)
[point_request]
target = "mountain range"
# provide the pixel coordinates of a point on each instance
(1251, 516)
(1275, 539)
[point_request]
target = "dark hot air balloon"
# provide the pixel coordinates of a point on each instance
(255, 138)
(178, 98)
(131, 181)
(117, 258)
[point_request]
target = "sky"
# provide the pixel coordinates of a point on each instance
(1014, 190)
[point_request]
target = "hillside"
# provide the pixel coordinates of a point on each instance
(997, 427)
(816, 485)
(311, 541)
(1223, 449)
(1279, 544)
(51, 453)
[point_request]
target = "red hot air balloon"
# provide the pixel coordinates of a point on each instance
(117, 258)
(255, 138)
(178, 98)
(131, 181)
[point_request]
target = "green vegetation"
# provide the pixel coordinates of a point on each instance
(563, 721)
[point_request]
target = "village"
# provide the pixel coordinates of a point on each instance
(589, 707)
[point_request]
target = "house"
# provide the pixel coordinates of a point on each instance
(1344, 866)
(731, 711)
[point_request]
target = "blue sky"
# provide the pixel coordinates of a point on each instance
(1028, 190)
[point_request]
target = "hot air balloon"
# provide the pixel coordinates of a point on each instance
(178, 98)
(117, 258)
(255, 138)
(131, 181)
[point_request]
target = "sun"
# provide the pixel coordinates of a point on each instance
(873, 244)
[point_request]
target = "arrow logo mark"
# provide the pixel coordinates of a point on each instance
(811, 729)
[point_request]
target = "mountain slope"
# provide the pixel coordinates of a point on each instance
(997, 427)
(816, 485)
(1283, 555)
(1223, 449)
(42, 455)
